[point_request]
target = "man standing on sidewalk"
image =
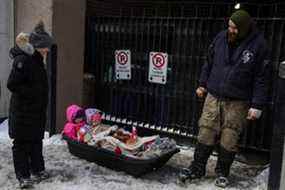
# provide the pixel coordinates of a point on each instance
(234, 80)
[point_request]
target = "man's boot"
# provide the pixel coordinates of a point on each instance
(197, 169)
(224, 163)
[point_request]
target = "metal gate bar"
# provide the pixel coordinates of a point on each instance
(173, 107)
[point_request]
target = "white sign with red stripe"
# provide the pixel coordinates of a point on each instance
(157, 67)
(123, 64)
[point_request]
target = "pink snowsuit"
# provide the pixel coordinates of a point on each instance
(71, 128)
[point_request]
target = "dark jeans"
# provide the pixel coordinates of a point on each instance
(27, 157)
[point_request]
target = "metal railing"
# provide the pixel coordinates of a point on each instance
(171, 108)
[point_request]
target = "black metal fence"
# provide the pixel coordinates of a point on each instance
(51, 71)
(172, 108)
(189, 8)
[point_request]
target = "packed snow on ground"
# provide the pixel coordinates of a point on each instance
(71, 173)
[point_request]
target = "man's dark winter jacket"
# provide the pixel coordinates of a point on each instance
(29, 86)
(239, 73)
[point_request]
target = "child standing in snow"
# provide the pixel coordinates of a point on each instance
(27, 115)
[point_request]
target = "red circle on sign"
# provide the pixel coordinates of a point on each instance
(158, 60)
(122, 58)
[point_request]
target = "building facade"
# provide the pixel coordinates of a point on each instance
(66, 20)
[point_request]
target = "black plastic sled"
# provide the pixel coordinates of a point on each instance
(107, 158)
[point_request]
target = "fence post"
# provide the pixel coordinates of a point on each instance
(51, 70)
(277, 160)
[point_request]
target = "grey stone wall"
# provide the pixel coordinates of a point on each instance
(17, 16)
(29, 12)
(65, 20)
(68, 27)
(6, 40)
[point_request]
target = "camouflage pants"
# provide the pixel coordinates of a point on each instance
(222, 122)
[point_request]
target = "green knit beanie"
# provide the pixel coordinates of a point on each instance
(242, 20)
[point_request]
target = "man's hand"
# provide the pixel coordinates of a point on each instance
(253, 114)
(201, 91)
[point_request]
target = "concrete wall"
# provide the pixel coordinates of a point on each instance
(68, 28)
(65, 20)
(6, 40)
(29, 12)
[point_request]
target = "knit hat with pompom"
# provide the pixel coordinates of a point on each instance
(39, 38)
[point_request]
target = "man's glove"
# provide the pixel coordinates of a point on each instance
(201, 92)
(253, 114)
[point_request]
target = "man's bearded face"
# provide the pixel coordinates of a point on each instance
(232, 32)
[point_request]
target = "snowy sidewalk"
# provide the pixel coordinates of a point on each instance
(71, 173)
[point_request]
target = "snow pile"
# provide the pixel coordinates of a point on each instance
(71, 173)
(262, 179)
(4, 131)
(54, 140)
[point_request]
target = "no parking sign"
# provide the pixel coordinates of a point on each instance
(157, 67)
(123, 64)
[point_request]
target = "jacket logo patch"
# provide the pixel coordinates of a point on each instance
(246, 56)
(19, 65)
